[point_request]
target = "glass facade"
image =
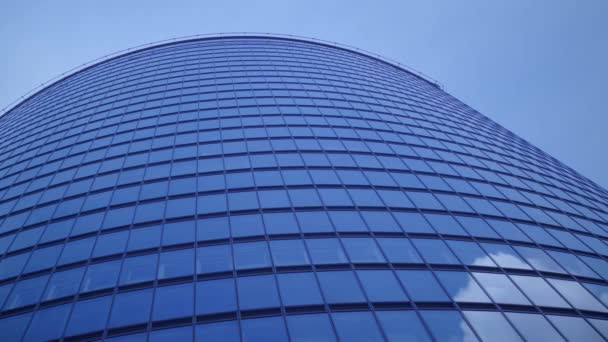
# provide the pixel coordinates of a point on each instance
(273, 189)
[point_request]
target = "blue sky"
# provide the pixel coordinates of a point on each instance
(537, 67)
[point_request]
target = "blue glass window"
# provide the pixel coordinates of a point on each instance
(539, 292)
(138, 269)
(435, 251)
(422, 286)
(448, 326)
(63, 283)
(246, 225)
(26, 292)
(257, 292)
(501, 289)
(470, 253)
(505, 256)
(362, 250)
(534, 328)
(215, 296)
(462, 287)
(280, 223)
(48, 324)
(299, 289)
(402, 326)
(577, 295)
(491, 326)
(173, 334)
(264, 329)
(399, 250)
(288, 252)
(213, 259)
(347, 221)
(173, 301)
(99, 276)
(227, 331)
(413, 223)
(108, 244)
(314, 222)
(143, 238)
(251, 255)
(315, 327)
(176, 263)
(340, 287)
(131, 308)
(356, 326)
(379, 221)
(76, 251)
(381, 286)
(178, 232)
(326, 251)
(89, 315)
(575, 328)
(213, 228)
(13, 327)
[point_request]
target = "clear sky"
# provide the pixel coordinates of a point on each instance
(539, 68)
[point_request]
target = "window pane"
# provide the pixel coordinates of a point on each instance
(500, 288)
(402, 326)
(422, 286)
(435, 251)
(381, 286)
(251, 255)
(491, 326)
(89, 315)
(539, 292)
(314, 222)
(173, 301)
(26, 292)
(176, 263)
(462, 287)
(211, 259)
(257, 292)
(222, 331)
(539, 259)
(169, 335)
(306, 328)
(326, 251)
(64, 283)
(99, 276)
(178, 232)
(215, 296)
(575, 328)
(12, 328)
(357, 326)
(280, 223)
(48, 323)
(131, 308)
(138, 269)
(361, 250)
(340, 287)
(264, 329)
(505, 256)
(470, 253)
(448, 326)
(288, 252)
(577, 295)
(534, 328)
(299, 289)
(399, 250)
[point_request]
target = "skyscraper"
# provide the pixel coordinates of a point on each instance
(257, 188)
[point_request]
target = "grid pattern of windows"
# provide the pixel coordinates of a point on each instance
(270, 189)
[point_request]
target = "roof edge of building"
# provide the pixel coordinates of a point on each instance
(201, 37)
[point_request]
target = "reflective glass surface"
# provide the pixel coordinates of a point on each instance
(274, 189)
